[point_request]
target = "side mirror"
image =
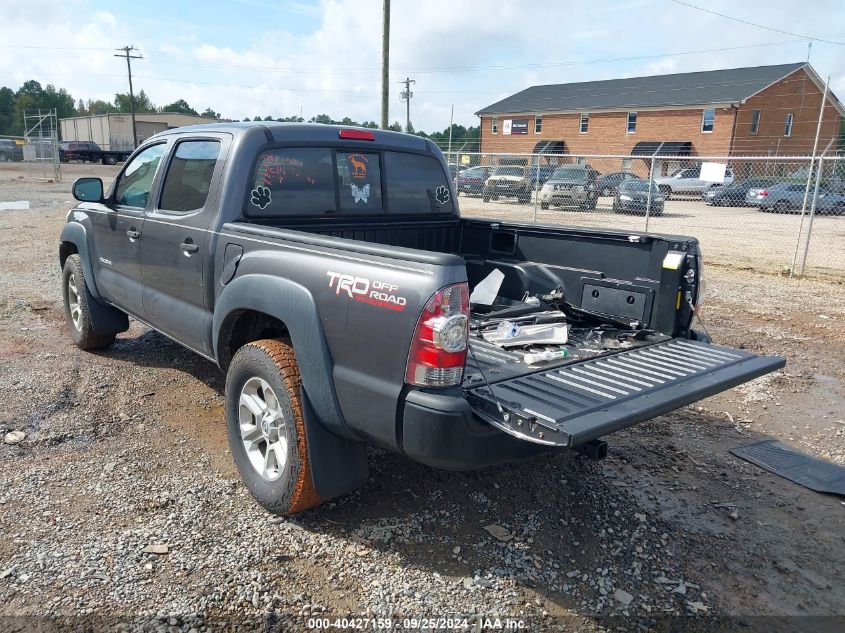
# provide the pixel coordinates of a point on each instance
(88, 189)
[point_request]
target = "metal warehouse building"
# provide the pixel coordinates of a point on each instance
(114, 131)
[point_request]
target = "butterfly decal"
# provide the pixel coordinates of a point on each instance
(441, 194)
(360, 194)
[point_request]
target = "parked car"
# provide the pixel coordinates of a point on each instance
(608, 184)
(735, 194)
(546, 172)
(570, 185)
(687, 181)
(10, 150)
(471, 181)
(330, 343)
(789, 196)
(632, 197)
(86, 151)
(508, 181)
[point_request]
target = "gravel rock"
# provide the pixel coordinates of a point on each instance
(15, 437)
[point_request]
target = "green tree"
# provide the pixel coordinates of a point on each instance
(181, 106)
(98, 107)
(142, 102)
(211, 114)
(7, 110)
(395, 126)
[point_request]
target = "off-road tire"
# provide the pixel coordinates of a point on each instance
(3, 157)
(82, 332)
(781, 206)
(274, 361)
(544, 205)
(485, 198)
(666, 191)
(110, 160)
(606, 192)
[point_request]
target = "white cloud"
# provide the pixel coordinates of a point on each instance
(334, 68)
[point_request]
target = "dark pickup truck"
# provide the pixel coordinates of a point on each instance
(88, 152)
(328, 272)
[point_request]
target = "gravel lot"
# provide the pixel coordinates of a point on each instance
(121, 504)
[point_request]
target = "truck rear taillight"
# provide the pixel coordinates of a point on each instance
(439, 348)
(762, 193)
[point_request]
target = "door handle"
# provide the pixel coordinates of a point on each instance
(133, 234)
(189, 247)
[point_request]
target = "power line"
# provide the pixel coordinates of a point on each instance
(754, 24)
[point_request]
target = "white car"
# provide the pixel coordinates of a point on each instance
(688, 180)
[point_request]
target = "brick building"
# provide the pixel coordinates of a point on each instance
(763, 110)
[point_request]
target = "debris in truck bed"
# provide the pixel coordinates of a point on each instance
(486, 290)
(542, 334)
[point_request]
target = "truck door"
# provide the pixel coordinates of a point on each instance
(175, 252)
(118, 231)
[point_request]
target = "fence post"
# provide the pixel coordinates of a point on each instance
(536, 187)
(648, 198)
(819, 171)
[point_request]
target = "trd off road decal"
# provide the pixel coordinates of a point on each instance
(378, 293)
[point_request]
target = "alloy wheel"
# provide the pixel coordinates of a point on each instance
(263, 428)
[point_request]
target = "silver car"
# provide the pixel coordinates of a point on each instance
(571, 185)
(789, 196)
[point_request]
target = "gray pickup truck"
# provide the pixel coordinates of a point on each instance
(328, 272)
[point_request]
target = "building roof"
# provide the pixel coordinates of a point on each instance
(682, 89)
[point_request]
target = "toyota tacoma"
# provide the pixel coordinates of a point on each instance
(328, 272)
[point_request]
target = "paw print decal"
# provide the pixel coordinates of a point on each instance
(260, 197)
(441, 194)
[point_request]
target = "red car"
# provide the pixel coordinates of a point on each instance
(471, 181)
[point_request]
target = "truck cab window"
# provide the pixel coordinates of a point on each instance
(292, 181)
(133, 188)
(188, 177)
(359, 181)
(416, 184)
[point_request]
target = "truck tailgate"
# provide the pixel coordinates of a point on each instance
(584, 400)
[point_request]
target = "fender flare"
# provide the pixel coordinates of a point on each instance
(104, 318)
(76, 234)
(294, 305)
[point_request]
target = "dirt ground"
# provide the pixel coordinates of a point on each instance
(126, 448)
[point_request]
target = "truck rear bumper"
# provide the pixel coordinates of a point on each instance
(441, 431)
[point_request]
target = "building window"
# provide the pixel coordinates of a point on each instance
(585, 122)
(755, 121)
(538, 124)
(632, 122)
(787, 125)
(495, 125)
(708, 119)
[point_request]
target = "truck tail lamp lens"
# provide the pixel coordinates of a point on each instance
(357, 135)
(763, 193)
(439, 348)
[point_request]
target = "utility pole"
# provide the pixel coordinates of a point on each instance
(126, 50)
(406, 97)
(385, 64)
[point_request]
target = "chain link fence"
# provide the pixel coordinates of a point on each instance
(775, 214)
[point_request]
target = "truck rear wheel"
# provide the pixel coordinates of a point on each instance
(266, 427)
(77, 300)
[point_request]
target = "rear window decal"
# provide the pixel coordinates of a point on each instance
(260, 197)
(360, 194)
(441, 194)
(357, 166)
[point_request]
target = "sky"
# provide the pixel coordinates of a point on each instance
(273, 57)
